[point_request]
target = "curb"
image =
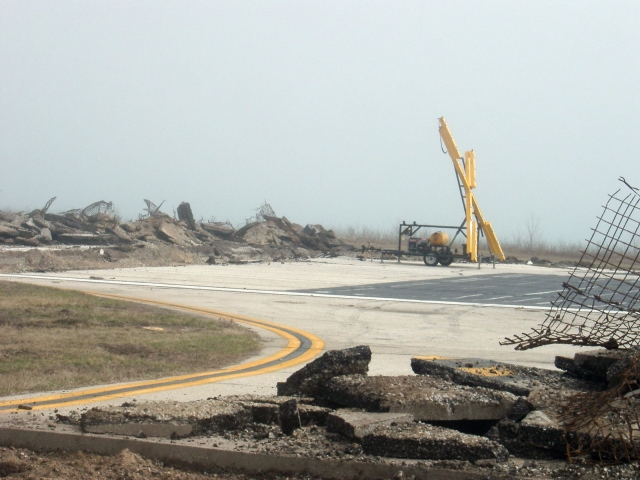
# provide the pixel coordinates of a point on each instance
(204, 458)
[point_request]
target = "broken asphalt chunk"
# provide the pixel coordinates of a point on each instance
(426, 398)
(476, 372)
(428, 442)
(310, 379)
(355, 424)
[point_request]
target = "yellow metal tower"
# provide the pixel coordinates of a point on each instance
(466, 170)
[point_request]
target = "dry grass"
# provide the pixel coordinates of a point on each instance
(521, 247)
(386, 238)
(54, 339)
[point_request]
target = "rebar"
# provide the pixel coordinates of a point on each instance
(598, 305)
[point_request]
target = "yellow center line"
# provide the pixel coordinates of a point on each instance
(148, 386)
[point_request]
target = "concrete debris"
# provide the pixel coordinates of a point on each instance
(355, 424)
(268, 238)
(429, 416)
(186, 215)
(602, 366)
(424, 441)
(312, 378)
(476, 372)
(166, 418)
(289, 416)
(426, 398)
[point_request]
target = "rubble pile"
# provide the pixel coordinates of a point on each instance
(470, 412)
(265, 238)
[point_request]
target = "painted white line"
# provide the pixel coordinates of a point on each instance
(262, 292)
(541, 293)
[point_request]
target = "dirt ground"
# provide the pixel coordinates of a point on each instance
(21, 463)
(26, 464)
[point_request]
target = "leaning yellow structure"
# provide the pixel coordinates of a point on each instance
(466, 170)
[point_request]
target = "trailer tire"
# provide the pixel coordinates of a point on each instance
(446, 259)
(430, 259)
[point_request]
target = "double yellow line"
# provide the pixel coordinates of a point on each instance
(301, 347)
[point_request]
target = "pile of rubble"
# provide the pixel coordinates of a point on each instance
(264, 238)
(458, 413)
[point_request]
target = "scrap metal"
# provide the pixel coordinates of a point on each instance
(598, 305)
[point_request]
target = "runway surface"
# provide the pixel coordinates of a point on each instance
(511, 289)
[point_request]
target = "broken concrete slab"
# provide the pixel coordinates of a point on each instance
(426, 398)
(7, 231)
(201, 416)
(477, 372)
(424, 441)
(310, 380)
(355, 424)
(595, 363)
(120, 233)
(264, 409)
(46, 235)
(174, 234)
(540, 430)
(289, 416)
(219, 230)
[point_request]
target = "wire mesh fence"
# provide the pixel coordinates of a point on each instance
(598, 305)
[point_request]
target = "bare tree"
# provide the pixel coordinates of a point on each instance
(533, 232)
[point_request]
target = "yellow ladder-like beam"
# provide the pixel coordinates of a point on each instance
(468, 181)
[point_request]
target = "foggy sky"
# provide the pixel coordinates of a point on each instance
(327, 110)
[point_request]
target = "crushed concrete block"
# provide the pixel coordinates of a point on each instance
(186, 215)
(355, 424)
(130, 227)
(313, 415)
(266, 413)
(475, 372)
(174, 234)
(201, 415)
(7, 231)
(595, 363)
(428, 442)
(264, 409)
(45, 233)
(120, 233)
(310, 379)
(223, 231)
(426, 398)
(289, 417)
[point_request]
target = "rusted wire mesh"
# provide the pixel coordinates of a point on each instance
(598, 305)
(605, 426)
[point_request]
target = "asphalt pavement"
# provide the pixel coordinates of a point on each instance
(511, 289)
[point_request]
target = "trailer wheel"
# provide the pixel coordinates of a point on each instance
(430, 259)
(446, 259)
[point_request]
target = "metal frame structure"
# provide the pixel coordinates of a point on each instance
(600, 304)
(466, 172)
(472, 230)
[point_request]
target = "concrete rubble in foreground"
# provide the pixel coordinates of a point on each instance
(335, 410)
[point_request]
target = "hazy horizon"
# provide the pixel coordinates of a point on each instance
(326, 110)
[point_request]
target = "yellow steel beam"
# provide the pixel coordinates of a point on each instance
(468, 179)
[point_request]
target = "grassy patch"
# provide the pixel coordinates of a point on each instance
(54, 339)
